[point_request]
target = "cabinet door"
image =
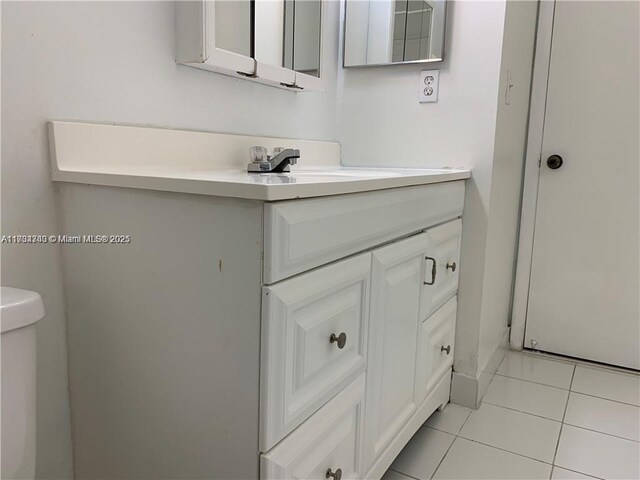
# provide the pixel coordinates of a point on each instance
(435, 348)
(313, 342)
(330, 440)
(397, 279)
(443, 264)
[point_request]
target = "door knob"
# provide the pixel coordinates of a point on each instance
(337, 475)
(341, 339)
(446, 349)
(554, 162)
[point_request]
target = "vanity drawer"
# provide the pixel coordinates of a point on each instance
(303, 234)
(313, 343)
(435, 348)
(330, 440)
(443, 264)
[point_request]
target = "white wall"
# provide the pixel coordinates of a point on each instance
(113, 62)
(382, 123)
(108, 62)
(506, 180)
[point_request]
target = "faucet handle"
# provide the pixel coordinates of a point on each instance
(258, 154)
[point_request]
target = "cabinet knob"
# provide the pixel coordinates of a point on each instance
(451, 266)
(337, 475)
(445, 349)
(341, 340)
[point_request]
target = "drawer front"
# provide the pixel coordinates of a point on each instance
(435, 348)
(313, 343)
(303, 234)
(443, 263)
(330, 439)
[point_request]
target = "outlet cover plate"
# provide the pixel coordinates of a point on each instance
(429, 81)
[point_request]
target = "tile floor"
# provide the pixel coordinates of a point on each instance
(541, 418)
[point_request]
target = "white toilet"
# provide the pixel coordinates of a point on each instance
(19, 311)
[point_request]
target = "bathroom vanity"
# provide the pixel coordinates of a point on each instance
(253, 326)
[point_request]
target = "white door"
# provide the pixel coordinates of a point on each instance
(584, 287)
(398, 276)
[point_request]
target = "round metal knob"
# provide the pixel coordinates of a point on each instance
(446, 349)
(337, 475)
(341, 340)
(554, 162)
(451, 266)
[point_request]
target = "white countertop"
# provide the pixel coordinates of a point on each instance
(302, 182)
(213, 164)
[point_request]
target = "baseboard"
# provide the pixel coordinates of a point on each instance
(492, 366)
(467, 390)
(464, 390)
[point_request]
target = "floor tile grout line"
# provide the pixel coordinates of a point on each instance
(576, 471)
(507, 451)
(522, 411)
(402, 473)
(531, 381)
(601, 433)
(604, 398)
(455, 437)
(566, 406)
(443, 457)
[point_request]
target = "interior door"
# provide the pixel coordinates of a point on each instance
(583, 294)
(398, 272)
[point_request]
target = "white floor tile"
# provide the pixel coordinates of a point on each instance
(548, 402)
(598, 454)
(450, 419)
(470, 460)
(539, 370)
(619, 387)
(604, 416)
(515, 432)
(391, 475)
(421, 456)
(563, 474)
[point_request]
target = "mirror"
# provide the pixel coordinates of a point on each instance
(233, 26)
(302, 20)
(384, 32)
(284, 33)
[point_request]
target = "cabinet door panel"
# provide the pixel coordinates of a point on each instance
(444, 248)
(330, 439)
(435, 348)
(301, 367)
(397, 279)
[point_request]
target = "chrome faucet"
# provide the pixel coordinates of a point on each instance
(279, 162)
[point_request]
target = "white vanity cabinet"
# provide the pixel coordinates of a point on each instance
(242, 338)
(394, 307)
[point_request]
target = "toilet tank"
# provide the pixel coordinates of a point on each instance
(19, 311)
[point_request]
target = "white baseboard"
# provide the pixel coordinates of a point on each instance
(468, 391)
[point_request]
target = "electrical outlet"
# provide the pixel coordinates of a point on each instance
(429, 81)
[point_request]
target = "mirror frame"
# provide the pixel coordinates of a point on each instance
(408, 62)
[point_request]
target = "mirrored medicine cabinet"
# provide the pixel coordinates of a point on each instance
(276, 42)
(387, 32)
